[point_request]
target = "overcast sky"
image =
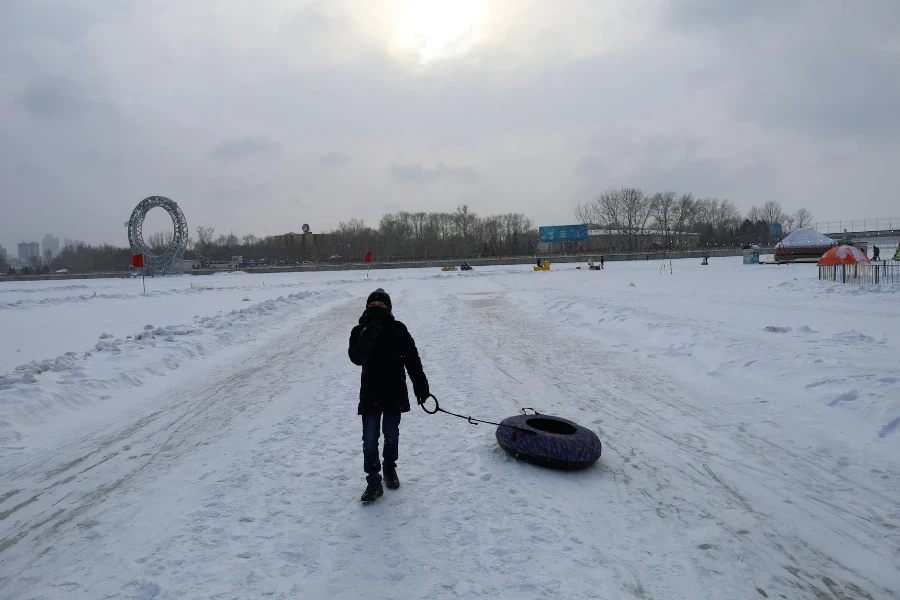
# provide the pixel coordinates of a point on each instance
(257, 117)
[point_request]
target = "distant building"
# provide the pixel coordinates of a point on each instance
(51, 244)
(2, 253)
(29, 250)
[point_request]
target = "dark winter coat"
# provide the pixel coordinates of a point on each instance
(386, 352)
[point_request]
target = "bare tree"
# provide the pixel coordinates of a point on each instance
(585, 213)
(609, 208)
(635, 214)
(682, 214)
(755, 214)
(727, 215)
(204, 241)
(662, 206)
(705, 212)
(228, 241)
(773, 213)
(802, 218)
(465, 222)
(161, 241)
(787, 225)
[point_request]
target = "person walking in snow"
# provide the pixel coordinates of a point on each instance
(385, 350)
(876, 252)
(602, 261)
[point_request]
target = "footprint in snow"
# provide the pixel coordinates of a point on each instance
(889, 428)
(142, 590)
(848, 396)
(777, 329)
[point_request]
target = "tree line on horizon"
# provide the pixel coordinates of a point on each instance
(632, 221)
(668, 220)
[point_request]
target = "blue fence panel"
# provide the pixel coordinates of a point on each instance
(563, 233)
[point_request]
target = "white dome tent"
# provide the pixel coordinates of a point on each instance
(803, 245)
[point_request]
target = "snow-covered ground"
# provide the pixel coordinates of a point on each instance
(209, 447)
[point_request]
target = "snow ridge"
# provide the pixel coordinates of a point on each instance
(35, 391)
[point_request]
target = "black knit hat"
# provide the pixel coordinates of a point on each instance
(379, 295)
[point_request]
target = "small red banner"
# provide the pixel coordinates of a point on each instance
(138, 261)
(368, 257)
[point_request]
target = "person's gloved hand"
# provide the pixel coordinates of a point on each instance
(375, 314)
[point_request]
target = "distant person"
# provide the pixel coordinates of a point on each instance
(876, 252)
(383, 347)
(602, 260)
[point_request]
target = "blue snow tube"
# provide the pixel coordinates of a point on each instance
(549, 441)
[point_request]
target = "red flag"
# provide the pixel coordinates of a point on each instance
(369, 256)
(581, 247)
(501, 257)
(138, 261)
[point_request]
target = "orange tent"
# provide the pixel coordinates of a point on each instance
(843, 255)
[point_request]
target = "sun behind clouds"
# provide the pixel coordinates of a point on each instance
(432, 30)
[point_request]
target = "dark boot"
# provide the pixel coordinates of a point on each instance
(372, 493)
(390, 478)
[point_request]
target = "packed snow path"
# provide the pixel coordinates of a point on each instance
(242, 479)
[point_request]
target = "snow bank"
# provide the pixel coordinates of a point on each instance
(37, 391)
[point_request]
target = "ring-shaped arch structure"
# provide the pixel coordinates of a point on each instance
(170, 261)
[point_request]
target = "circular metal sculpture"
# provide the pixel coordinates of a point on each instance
(170, 261)
(549, 441)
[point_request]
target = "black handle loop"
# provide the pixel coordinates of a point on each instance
(472, 420)
(437, 406)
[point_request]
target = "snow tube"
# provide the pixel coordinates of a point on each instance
(549, 441)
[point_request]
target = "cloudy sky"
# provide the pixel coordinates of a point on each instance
(257, 117)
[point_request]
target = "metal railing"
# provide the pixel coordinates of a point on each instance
(882, 272)
(859, 225)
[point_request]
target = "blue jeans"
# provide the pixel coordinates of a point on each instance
(390, 425)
